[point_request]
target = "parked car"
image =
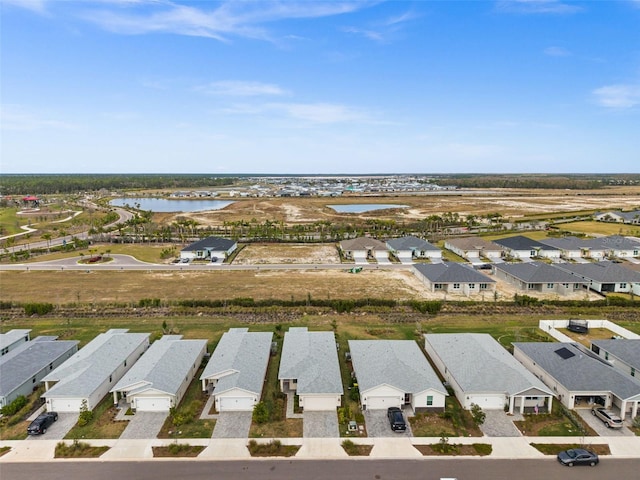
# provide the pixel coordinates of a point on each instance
(396, 419)
(610, 419)
(41, 423)
(578, 456)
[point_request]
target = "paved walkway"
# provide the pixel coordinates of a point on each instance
(498, 424)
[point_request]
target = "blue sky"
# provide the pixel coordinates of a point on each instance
(160, 86)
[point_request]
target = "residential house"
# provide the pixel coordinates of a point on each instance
(159, 380)
(622, 353)
(482, 372)
(93, 371)
(538, 277)
(580, 378)
(452, 277)
(362, 249)
(12, 339)
(410, 247)
(235, 372)
(576, 248)
(24, 367)
(632, 218)
(605, 276)
(209, 248)
(395, 373)
(309, 367)
(618, 246)
(525, 248)
(474, 249)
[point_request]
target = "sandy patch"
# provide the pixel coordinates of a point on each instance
(265, 254)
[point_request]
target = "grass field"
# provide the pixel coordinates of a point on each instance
(150, 253)
(601, 228)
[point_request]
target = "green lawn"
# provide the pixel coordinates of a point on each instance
(603, 228)
(103, 424)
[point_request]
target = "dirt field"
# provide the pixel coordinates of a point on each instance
(511, 204)
(259, 254)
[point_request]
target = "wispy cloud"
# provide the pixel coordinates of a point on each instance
(241, 89)
(38, 6)
(537, 7)
(384, 29)
(620, 96)
(557, 52)
(320, 112)
(18, 118)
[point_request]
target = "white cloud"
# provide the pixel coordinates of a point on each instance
(557, 52)
(320, 112)
(382, 31)
(618, 96)
(18, 118)
(537, 6)
(38, 6)
(241, 89)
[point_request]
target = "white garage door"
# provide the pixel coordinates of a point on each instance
(153, 404)
(236, 404)
(488, 402)
(382, 403)
(360, 257)
(65, 405)
(319, 403)
(382, 257)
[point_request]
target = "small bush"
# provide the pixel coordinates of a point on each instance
(38, 308)
(260, 413)
(14, 407)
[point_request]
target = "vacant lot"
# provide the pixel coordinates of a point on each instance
(266, 253)
(601, 228)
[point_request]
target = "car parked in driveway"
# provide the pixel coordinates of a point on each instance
(396, 419)
(578, 456)
(41, 423)
(610, 419)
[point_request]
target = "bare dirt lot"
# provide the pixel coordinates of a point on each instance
(266, 253)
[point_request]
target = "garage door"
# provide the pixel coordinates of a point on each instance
(153, 404)
(236, 403)
(382, 403)
(319, 403)
(488, 402)
(360, 257)
(65, 404)
(382, 257)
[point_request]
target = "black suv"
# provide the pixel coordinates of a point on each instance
(41, 423)
(396, 419)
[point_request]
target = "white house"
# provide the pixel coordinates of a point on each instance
(474, 248)
(93, 371)
(309, 366)
(632, 217)
(481, 372)
(523, 247)
(13, 338)
(539, 277)
(622, 353)
(362, 249)
(579, 378)
(159, 380)
(209, 248)
(452, 277)
(409, 247)
(605, 276)
(24, 367)
(394, 373)
(236, 370)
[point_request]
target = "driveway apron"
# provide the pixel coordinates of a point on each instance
(320, 424)
(144, 425)
(378, 425)
(58, 429)
(599, 426)
(232, 425)
(498, 424)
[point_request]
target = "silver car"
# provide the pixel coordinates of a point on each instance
(610, 419)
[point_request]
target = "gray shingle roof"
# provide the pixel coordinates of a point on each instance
(580, 372)
(537, 272)
(363, 243)
(474, 243)
(242, 358)
(83, 373)
(12, 336)
(411, 243)
(26, 360)
(398, 363)
(480, 364)
(612, 242)
(569, 243)
(627, 350)
(451, 272)
(163, 366)
(210, 243)
(520, 242)
(312, 359)
(616, 242)
(605, 271)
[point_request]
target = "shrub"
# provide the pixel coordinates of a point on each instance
(38, 308)
(477, 414)
(260, 413)
(14, 407)
(86, 415)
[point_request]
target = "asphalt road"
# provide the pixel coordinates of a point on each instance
(361, 469)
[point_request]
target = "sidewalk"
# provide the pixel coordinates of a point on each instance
(328, 448)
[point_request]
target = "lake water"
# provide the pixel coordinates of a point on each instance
(363, 207)
(170, 205)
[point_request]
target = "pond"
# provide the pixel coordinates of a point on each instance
(170, 205)
(363, 207)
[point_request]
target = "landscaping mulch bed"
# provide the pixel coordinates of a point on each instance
(555, 448)
(272, 449)
(4, 450)
(477, 449)
(78, 450)
(354, 450)
(178, 450)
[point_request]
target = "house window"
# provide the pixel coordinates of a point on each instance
(606, 355)
(484, 286)
(633, 372)
(429, 400)
(456, 286)
(437, 286)
(532, 253)
(33, 380)
(472, 286)
(636, 253)
(110, 378)
(125, 363)
(623, 285)
(531, 286)
(549, 285)
(51, 366)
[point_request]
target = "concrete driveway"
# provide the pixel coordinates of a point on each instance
(498, 424)
(144, 425)
(320, 425)
(597, 424)
(232, 425)
(57, 430)
(378, 424)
